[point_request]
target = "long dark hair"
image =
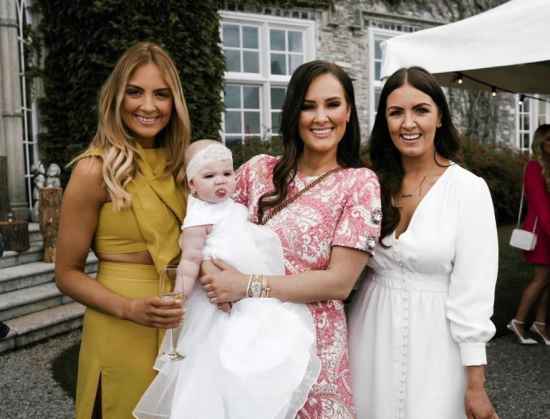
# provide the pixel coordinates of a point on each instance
(541, 134)
(385, 157)
(293, 146)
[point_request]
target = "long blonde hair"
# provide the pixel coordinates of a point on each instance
(117, 143)
(542, 133)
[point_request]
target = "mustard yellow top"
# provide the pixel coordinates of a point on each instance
(118, 231)
(153, 221)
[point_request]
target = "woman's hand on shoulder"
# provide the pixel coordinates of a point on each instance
(155, 312)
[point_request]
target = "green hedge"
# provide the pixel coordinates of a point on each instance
(502, 169)
(254, 146)
(83, 40)
(499, 165)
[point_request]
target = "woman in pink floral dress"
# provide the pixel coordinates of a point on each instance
(327, 232)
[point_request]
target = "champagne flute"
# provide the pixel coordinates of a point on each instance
(167, 283)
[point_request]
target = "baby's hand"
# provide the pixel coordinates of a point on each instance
(225, 307)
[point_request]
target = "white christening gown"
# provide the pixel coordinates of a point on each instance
(423, 312)
(260, 360)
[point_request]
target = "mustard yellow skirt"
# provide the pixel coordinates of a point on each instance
(116, 355)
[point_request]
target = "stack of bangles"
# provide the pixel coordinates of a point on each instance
(258, 287)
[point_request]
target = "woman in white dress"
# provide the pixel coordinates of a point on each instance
(420, 322)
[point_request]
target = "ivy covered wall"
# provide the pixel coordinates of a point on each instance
(82, 41)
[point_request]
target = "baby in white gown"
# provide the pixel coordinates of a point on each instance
(259, 360)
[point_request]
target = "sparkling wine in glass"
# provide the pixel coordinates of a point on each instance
(167, 282)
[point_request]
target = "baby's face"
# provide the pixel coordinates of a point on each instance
(214, 182)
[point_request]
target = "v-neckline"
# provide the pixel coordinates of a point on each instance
(413, 216)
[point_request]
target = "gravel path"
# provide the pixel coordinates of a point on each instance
(518, 380)
(27, 387)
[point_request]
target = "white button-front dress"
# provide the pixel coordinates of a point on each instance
(423, 312)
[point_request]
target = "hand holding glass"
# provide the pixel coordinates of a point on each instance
(167, 282)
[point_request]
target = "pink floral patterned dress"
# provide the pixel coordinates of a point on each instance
(342, 210)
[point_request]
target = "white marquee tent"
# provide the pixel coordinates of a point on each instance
(507, 47)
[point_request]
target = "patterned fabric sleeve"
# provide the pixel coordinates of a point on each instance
(359, 224)
(250, 172)
(244, 177)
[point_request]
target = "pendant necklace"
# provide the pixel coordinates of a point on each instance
(416, 190)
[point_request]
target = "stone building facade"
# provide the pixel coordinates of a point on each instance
(262, 45)
(350, 33)
(13, 114)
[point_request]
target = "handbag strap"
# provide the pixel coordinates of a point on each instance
(521, 203)
(521, 200)
(291, 199)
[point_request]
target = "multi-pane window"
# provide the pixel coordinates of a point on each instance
(524, 129)
(261, 53)
(376, 38)
(543, 115)
(241, 48)
(278, 94)
(286, 51)
(242, 112)
(530, 113)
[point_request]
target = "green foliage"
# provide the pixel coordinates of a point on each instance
(254, 146)
(84, 39)
(502, 169)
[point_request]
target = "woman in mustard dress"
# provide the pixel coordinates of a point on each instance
(125, 201)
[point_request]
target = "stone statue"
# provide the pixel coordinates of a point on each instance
(52, 176)
(39, 182)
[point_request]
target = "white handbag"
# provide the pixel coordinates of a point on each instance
(523, 239)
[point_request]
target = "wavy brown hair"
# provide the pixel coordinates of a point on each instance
(348, 149)
(117, 142)
(385, 157)
(542, 134)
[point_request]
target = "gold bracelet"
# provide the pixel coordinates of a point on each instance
(267, 289)
(255, 287)
(248, 291)
(264, 286)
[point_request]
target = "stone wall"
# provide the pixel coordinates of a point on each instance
(343, 38)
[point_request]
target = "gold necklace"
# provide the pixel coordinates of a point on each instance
(418, 190)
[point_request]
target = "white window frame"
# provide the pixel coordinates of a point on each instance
(544, 117)
(374, 34)
(264, 77)
(533, 122)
